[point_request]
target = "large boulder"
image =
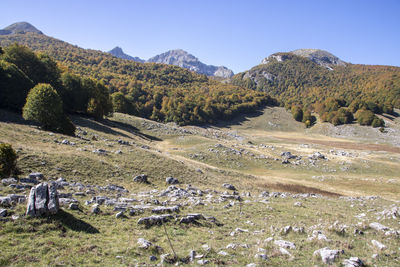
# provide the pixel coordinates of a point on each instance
(43, 200)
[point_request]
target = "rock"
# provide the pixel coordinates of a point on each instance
(316, 234)
(328, 256)
(229, 186)
(251, 265)
(203, 262)
(5, 202)
(378, 244)
(285, 161)
(298, 204)
(316, 155)
(353, 262)
(155, 220)
(142, 178)
(153, 258)
(284, 251)
(171, 180)
(29, 180)
(143, 243)
(73, 206)
(9, 181)
(191, 218)
(41, 199)
(119, 215)
(36, 175)
(162, 210)
(284, 244)
(96, 209)
(287, 155)
(261, 256)
(286, 230)
(378, 227)
(53, 201)
(3, 212)
(123, 142)
(223, 253)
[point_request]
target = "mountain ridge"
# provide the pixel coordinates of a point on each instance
(118, 52)
(20, 27)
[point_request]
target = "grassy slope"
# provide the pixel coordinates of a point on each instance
(80, 239)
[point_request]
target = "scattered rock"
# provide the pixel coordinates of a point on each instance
(328, 256)
(36, 175)
(353, 262)
(229, 186)
(171, 180)
(143, 243)
(378, 227)
(142, 178)
(153, 258)
(3, 212)
(155, 220)
(203, 262)
(298, 204)
(96, 209)
(284, 244)
(163, 210)
(119, 215)
(73, 206)
(5, 202)
(261, 256)
(9, 181)
(378, 244)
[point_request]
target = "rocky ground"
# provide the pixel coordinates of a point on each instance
(131, 192)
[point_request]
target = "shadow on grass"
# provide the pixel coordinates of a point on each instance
(69, 221)
(106, 126)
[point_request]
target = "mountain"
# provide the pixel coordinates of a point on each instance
(183, 59)
(19, 27)
(117, 52)
(155, 91)
(310, 76)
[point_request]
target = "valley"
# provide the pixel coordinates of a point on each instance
(297, 190)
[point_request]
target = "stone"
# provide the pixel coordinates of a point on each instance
(261, 256)
(191, 218)
(3, 212)
(353, 262)
(287, 155)
(223, 253)
(143, 243)
(41, 198)
(73, 206)
(53, 202)
(96, 209)
(286, 230)
(298, 204)
(163, 210)
(328, 256)
(142, 178)
(5, 202)
(119, 215)
(316, 155)
(192, 255)
(229, 186)
(285, 161)
(171, 180)
(284, 244)
(29, 180)
(378, 244)
(378, 227)
(155, 220)
(9, 181)
(251, 265)
(153, 258)
(203, 262)
(36, 175)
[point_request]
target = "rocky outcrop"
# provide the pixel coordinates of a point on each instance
(19, 27)
(119, 53)
(321, 57)
(43, 200)
(185, 60)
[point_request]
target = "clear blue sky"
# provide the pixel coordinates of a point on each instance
(237, 34)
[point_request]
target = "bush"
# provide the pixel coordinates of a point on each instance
(377, 122)
(44, 106)
(365, 117)
(8, 160)
(297, 113)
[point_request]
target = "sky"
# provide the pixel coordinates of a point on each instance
(236, 34)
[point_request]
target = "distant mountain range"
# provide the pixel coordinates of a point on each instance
(179, 58)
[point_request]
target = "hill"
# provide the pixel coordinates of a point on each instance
(157, 91)
(19, 27)
(119, 53)
(310, 77)
(183, 59)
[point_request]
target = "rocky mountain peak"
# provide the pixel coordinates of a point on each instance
(19, 27)
(119, 53)
(321, 57)
(186, 60)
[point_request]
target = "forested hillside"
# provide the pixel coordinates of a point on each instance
(157, 91)
(296, 80)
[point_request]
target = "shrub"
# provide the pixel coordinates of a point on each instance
(8, 160)
(44, 106)
(297, 113)
(377, 122)
(365, 117)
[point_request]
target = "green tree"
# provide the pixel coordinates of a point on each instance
(44, 106)
(297, 113)
(8, 160)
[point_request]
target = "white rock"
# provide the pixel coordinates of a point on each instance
(328, 256)
(284, 244)
(143, 243)
(353, 262)
(378, 227)
(378, 244)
